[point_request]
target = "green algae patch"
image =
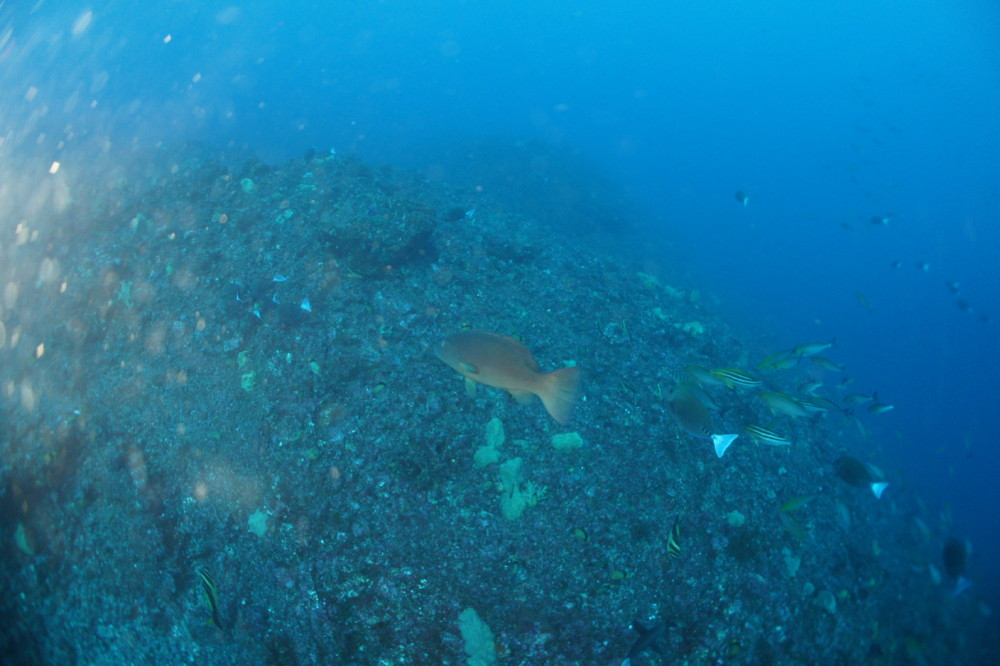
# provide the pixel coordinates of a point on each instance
(257, 522)
(695, 328)
(567, 441)
(517, 494)
(480, 645)
(495, 438)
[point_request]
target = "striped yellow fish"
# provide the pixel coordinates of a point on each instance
(673, 543)
(733, 377)
(765, 436)
(211, 594)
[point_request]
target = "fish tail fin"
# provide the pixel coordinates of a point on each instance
(722, 443)
(559, 392)
(878, 488)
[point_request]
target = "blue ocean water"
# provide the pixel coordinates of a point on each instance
(825, 114)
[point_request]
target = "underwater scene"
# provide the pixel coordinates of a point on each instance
(481, 332)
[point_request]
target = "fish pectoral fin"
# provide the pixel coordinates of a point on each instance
(470, 387)
(523, 397)
(468, 368)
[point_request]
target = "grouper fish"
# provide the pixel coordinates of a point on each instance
(484, 357)
(690, 412)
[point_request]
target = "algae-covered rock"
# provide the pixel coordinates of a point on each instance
(567, 441)
(518, 494)
(693, 327)
(486, 455)
(257, 522)
(480, 645)
(792, 562)
(827, 601)
(495, 438)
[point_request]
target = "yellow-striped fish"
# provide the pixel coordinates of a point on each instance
(211, 594)
(765, 436)
(673, 543)
(702, 376)
(733, 377)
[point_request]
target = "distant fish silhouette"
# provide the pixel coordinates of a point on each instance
(863, 302)
(955, 555)
(646, 640)
(854, 472)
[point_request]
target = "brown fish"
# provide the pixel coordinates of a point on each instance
(496, 360)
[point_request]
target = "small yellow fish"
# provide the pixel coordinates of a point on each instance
(811, 348)
(879, 407)
(796, 502)
(783, 404)
(827, 364)
(500, 361)
(785, 363)
(771, 361)
(810, 388)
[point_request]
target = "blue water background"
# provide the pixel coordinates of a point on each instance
(826, 113)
